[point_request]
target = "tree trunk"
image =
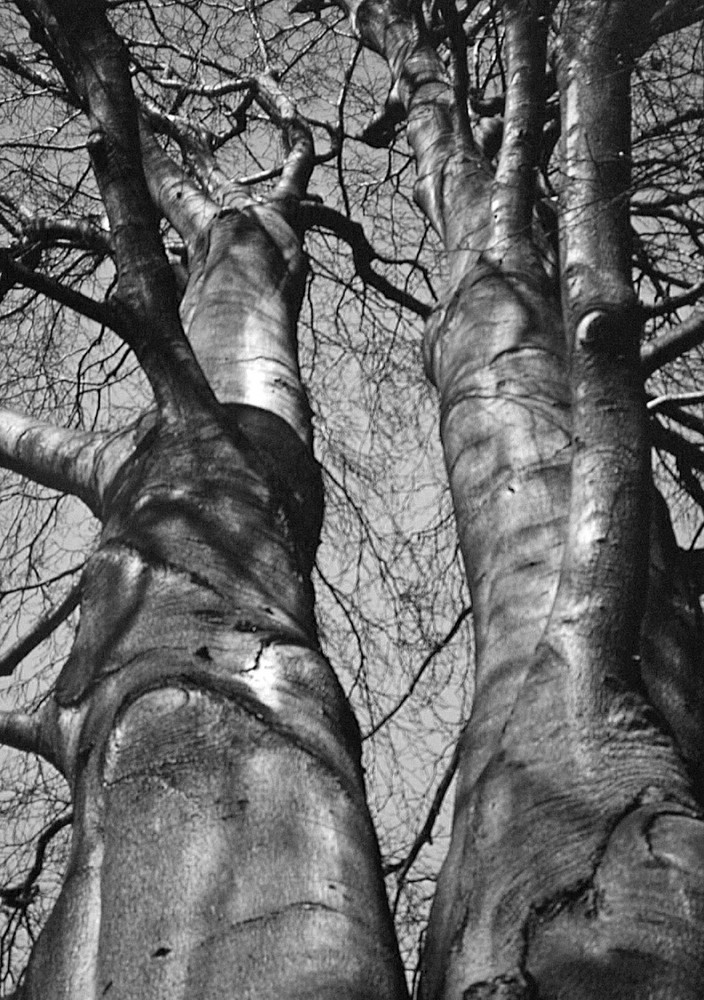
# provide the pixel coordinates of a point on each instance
(576, 866)
(222, 844)
(221, 837)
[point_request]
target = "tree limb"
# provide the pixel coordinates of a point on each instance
(178, 199)
(13, 272)
(22, 732)
(683, 450)
(363, 253)
(19, 895)
(61, 459)
(425, 833)
(437, 648)
(81, 233)
(43, 628)
(673, 343)
(95, 65)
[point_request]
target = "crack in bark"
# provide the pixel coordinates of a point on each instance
(584, 891)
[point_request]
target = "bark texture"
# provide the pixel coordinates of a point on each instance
(221, 836)
(221, 843)
(576, 867)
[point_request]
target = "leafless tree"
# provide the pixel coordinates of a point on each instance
(159, 313)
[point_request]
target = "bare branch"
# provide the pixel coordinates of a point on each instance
(672, 344)
(437, 648)
(95, 65)
(80, 233)
(14, 272)
(300, 158)
(363, 253)
(185, 206)
(22, 732)
(41, 631)
(681, 398)
(53, 456)
(682, 449)
(19, 895)
(425, 833)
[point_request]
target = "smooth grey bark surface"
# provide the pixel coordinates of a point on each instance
(221, 843)
(576, 867)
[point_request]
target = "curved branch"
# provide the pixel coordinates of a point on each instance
(49, 231)
(298, 138)
(363, 253)
(95, 65)
(41, 631)
(13, 272)
(19, 895)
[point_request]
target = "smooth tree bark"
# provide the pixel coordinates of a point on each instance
(576, 867)
(221, 839)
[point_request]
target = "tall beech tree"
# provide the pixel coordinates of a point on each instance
(221, 840)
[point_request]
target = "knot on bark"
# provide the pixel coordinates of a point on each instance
(610, 329)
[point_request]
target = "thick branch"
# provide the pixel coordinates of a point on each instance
(682, 449)
(513, 196)
(604, 554)
(95, 65)
(61, 459)
(80, 233)
(179, 200)
(656, 18)
(23, 732)
(672, 344)
(453, 177)
(78, 462)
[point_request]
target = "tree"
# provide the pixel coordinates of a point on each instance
(221, 839)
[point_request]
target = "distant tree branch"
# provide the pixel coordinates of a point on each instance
(11, 62)
(43, 628)
(363, 253)
(21, 894)
(677, 399)
(672, 15)
(674, 302)
(437, 648)
(424, 835)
